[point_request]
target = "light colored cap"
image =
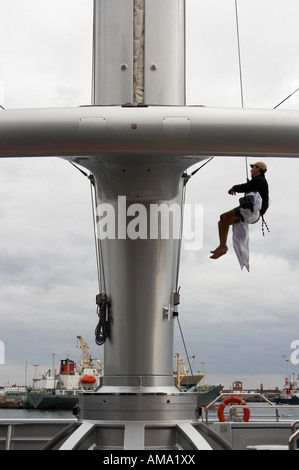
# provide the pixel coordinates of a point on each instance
(261, 165)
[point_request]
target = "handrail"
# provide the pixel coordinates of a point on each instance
(253, 405)
(248, 394)
(294, 436)
(234, 407)
(293, 439)
(294, 425)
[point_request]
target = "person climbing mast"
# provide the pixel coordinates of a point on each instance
(249, 211)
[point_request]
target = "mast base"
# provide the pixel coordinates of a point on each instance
(139, 421)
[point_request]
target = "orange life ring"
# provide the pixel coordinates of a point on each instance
(227, 401)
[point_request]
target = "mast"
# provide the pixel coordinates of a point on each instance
(139, 60)
(139, 52)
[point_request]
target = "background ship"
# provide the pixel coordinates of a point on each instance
(289, 394)
(61, 391)
(190, 382)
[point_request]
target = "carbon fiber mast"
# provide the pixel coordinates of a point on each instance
(139, 60)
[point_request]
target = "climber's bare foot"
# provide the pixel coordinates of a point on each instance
(220, 251)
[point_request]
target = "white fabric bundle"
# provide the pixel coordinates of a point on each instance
(241, 230)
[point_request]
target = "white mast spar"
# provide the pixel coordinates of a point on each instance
(137, 139)
(138, 59)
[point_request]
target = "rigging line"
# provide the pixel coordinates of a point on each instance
(240, 69)
(98, 248)
(81, 171)
(239, 53)
(186, 352)
(98, 245)
(179, 252)
(181, 235)
(102, 266)
(95, 237)
(185, 52)
(93, 84)
(195, 171)
(286, 98)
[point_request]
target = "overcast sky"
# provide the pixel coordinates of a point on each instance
(238, 323)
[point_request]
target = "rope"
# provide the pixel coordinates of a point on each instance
(181, 228)
(186, 352)
(186, 179)
(264, 223)
(286, 98)
(240, 70)
(98, 248)
(195, 171)
(102, 330)
(95, 236)
(79, 169)
(239, 54)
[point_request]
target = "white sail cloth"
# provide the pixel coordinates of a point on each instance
(241, 229)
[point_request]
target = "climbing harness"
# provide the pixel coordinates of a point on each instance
(238, 401)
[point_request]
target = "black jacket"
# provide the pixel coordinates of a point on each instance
(258, 183)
